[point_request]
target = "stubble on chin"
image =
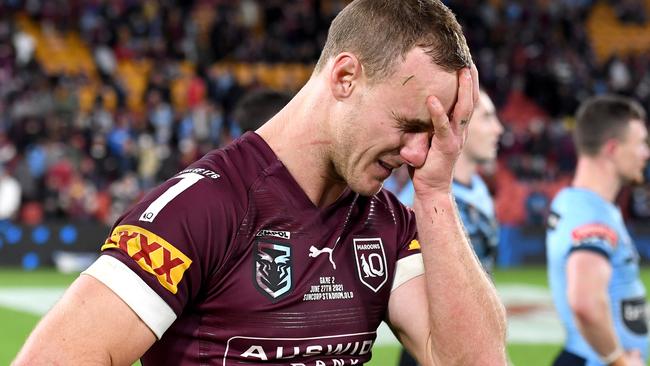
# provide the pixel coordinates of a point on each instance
(366, 189)
(635, 180)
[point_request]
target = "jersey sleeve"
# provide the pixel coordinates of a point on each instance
(409, 258)
(596, 237)
(162, 251)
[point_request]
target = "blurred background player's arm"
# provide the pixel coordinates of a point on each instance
(588, 275)
(90, 325)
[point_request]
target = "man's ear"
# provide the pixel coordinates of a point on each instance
(609, 148)
(345, 74)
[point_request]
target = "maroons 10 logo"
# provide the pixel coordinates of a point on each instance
(272, 269)
(371, 262)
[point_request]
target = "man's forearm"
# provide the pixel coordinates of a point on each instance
(588, 275)
(596, 325)
(468, 322)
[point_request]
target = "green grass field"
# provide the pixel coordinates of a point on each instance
(16, 325)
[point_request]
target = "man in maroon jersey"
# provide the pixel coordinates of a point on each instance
(282, 248)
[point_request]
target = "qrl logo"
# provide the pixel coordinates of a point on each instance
(272, 269)
(371, 262)
(152, 253)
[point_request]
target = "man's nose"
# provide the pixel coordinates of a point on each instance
(499, 126)
(415, 148)
(646, 152)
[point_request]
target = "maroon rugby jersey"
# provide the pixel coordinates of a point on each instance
(252, 271)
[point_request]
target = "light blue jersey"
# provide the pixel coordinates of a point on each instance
(582, 220)
(476, 210)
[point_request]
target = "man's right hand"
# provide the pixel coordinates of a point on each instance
(629, 358)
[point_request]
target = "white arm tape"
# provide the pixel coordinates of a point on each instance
(144, 301)
(408, 268)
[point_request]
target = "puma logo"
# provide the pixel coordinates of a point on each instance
(315, 252)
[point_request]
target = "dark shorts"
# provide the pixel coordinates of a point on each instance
(566, 358)
(406, 359)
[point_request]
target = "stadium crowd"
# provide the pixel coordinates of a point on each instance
(84, 140)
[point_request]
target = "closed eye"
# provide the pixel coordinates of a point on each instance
(412, 125)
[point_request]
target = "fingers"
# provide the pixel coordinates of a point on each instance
(475, 84)
(634, 353)
(468, 94)
(634, 357)
(465, 101)
(439, 117)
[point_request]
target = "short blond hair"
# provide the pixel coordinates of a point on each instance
(603, 117)
(379, 32)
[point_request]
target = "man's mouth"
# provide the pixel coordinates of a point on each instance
(386, 166)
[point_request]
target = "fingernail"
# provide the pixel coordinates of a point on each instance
(468, 75)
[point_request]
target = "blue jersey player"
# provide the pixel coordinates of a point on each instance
(472, 197)
(477, 213)
(592, 262)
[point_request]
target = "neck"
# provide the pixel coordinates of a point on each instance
(465, 169)
(299, 136)
(599, 175)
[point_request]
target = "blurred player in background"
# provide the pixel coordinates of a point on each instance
(282, 247)
(593, 265)
(258, 106)
(10, 193)
(472, 197)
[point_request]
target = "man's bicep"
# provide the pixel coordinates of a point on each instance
(596, 237)
(587, 272)
(148, 305)
(588, 267)
(408, 317)
(89, 325)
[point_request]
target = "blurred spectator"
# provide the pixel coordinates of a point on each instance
(630, 11)
(123, 192)
(140, 88)
(640, 203)
(9, 195)
(537, 207)
(24, 44)
(161, 116)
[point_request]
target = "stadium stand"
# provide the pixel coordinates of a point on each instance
(99, 100)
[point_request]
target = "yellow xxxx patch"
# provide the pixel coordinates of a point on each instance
(152, 253)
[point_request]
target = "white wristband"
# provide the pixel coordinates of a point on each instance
(612, 356)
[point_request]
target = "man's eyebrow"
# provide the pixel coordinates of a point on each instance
(410, 124)
(407, 79)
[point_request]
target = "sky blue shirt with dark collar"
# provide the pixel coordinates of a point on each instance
(582, 220)
(476, 210)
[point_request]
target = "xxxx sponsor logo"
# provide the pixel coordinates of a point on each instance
(152, 253)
